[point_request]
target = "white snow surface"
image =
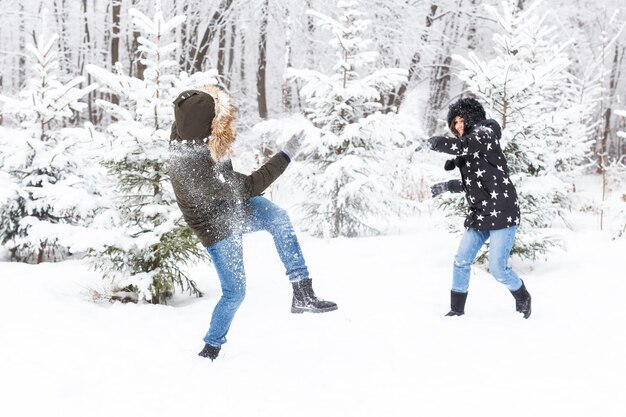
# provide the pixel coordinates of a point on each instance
(387, 351)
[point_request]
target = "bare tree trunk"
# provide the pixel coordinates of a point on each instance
(221, 49)
(310, 52)
(65, 51)
(310, 28)
(208, 36)
(414, 68)
(440, 77)
(242, 63)
(41, 252)
(286, 90)
(86, 41)
(115, 39)
(231, 54)
(262, 63)
(106, 38)
(440, 84)
(82, 58)
(137, 67)
(616, 75)
(183, 41)
(607, 103)
(21, 70)
(472, 41)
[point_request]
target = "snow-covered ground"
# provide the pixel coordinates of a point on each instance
(387, 351)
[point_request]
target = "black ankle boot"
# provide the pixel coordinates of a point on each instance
(522, 300)
(457, 303)
(209, 351)
(305, 300)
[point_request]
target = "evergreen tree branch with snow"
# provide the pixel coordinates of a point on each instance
(147, 257)
(48, 185)
(345, 172)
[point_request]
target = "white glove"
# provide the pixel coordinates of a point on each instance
(292, 146)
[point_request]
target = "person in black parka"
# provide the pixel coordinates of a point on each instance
(493, 212)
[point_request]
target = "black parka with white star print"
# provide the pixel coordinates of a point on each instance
(489, 192)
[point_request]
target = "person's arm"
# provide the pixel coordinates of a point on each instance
(477, 141)
(444, 144)
(258, 181)
(453, 186)
(255, 183)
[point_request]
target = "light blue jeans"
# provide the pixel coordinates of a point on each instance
(227, 256)
(500, 244)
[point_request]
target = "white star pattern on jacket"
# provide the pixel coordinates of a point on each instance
(484, 176)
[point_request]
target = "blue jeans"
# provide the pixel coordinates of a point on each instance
(227, 256)
(500, 244)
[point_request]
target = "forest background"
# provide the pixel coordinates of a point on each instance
(367, 79)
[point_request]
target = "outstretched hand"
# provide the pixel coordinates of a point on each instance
(425, 143)
(292, 146)
(439, 188)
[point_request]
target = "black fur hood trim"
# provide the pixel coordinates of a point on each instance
(470, 110)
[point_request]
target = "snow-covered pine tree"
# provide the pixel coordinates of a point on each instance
(46, 188)
(544, 111)
(344, 173)
(153, 244)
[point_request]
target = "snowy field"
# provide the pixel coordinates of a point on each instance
(387, 351)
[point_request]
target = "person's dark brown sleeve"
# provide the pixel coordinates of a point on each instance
(257, 182)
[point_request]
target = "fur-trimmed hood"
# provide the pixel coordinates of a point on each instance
(206, 114)
(470, 110)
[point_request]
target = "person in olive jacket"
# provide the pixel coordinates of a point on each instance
(493, 212)
(220, 204)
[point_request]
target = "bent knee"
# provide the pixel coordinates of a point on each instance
(235, 296)
(462, 263)
(280, 220)
(281, 216)
(498, 270)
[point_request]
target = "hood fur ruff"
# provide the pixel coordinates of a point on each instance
(470, 110)
(223, 125)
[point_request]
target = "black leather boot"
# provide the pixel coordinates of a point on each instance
(305, 300)
(522, 300)
(209, 351)
(457, 303)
